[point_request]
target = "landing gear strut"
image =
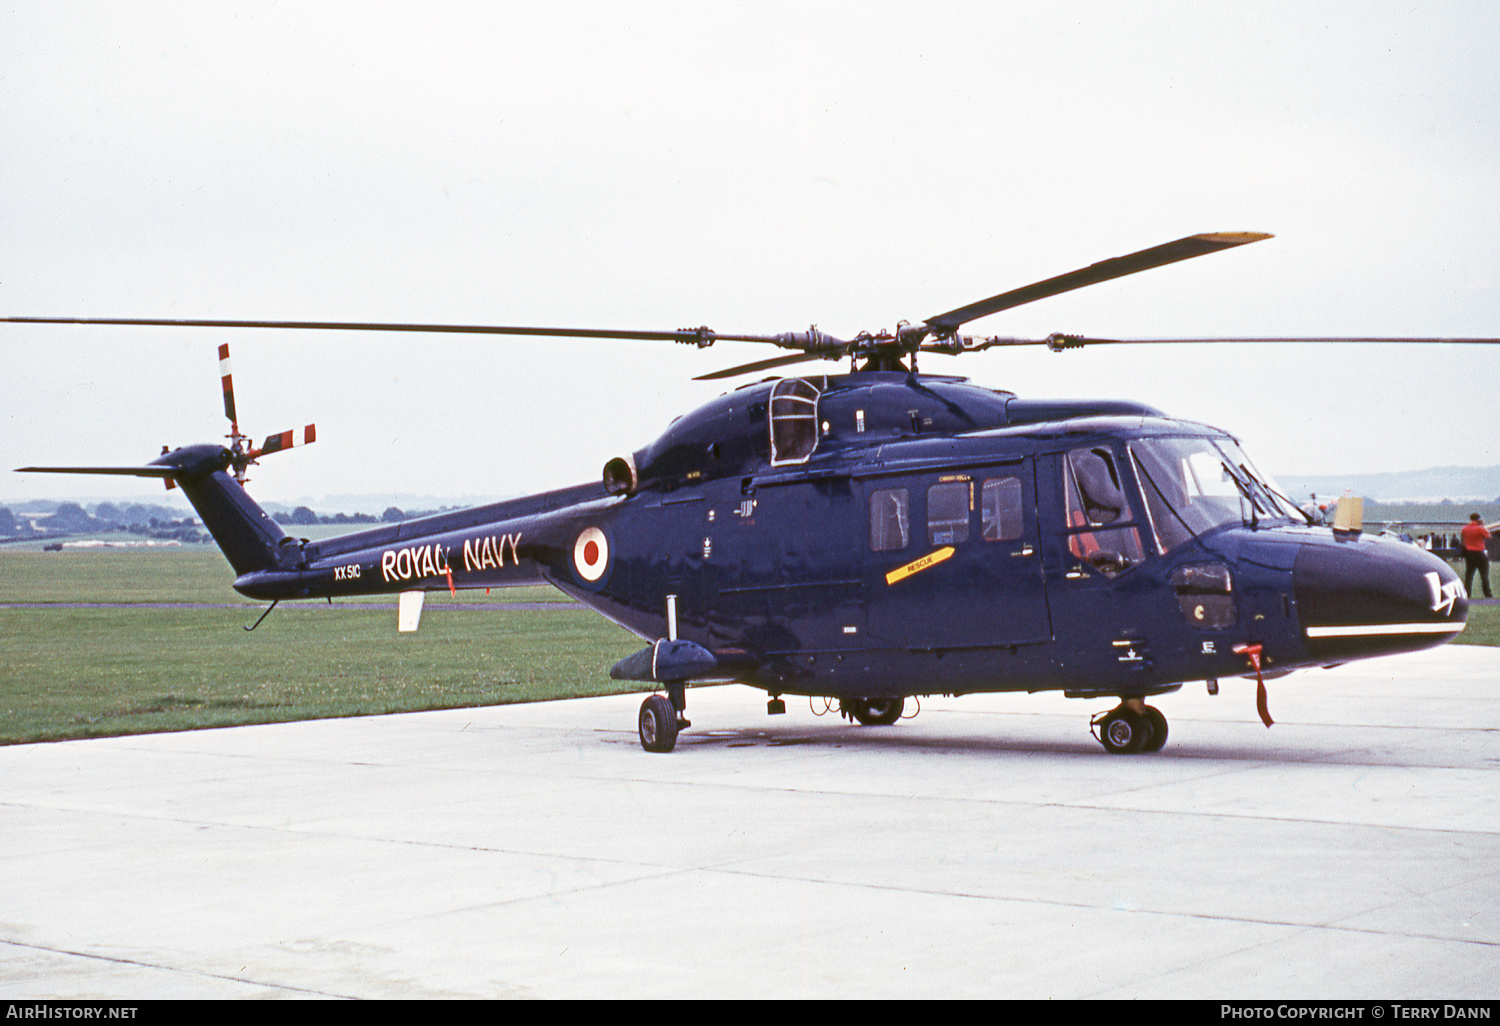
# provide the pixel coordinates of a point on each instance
(661, 718)
(1130, 727)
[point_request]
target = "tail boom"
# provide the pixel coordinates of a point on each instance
(522, 542)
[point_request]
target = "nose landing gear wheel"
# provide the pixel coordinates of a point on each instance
(1125, 731)
(657, 724)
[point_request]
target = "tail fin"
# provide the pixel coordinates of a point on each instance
(248, 536)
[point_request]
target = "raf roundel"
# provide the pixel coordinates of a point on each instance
(591, 554)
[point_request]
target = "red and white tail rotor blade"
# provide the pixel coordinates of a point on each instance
(227, 376)
(287, 440)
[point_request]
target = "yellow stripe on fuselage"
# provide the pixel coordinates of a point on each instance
(916, 566)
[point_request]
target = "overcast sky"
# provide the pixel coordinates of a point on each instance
(754, 167)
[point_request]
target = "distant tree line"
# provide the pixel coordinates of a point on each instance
(159, 522)
(303, 515)
(67, 518)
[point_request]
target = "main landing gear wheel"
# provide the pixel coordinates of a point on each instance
(657, 724)
(1131, 728)
(873, 712)
(1158, 730)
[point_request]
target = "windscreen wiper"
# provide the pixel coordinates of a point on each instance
(1247, 495)
(1265, 487)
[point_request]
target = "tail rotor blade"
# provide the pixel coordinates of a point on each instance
(228, 378)
(287, 440)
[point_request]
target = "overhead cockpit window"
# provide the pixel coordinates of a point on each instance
(794, 421)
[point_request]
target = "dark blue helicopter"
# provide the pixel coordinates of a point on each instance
(883, 534)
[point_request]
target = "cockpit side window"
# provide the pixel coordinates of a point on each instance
(1094, 497)
(1101, 500)
(794, 421)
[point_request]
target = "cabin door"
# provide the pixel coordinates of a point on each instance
(787, 567)
(954, 560)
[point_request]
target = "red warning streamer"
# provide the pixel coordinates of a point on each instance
(1252, 652)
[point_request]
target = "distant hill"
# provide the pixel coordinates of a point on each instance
(167, 505)
(1444, 512)
(1458, 484)
(376, 503)
(44, 519)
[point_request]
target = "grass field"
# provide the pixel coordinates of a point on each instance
(87, 672)
(84, 672)
(188, 574)
(1483, 628)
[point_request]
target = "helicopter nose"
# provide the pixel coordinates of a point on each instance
(1371, 596)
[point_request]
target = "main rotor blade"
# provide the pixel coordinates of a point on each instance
(1059, 342)
(1069, 341)
(1157, 256)
(1391, 340)
(698, 336)
(760, 365)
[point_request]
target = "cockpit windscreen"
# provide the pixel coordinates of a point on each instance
(1194, 485)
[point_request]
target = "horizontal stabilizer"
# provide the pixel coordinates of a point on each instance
(147, 471)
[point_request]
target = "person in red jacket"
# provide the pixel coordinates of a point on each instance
(1473, 541)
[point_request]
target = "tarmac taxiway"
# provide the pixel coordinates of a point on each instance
(986, 848)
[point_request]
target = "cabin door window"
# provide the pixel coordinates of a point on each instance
(890, 519)
(1000, 513)
(948, 506)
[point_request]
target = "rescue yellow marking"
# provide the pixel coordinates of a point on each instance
(916, 566)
